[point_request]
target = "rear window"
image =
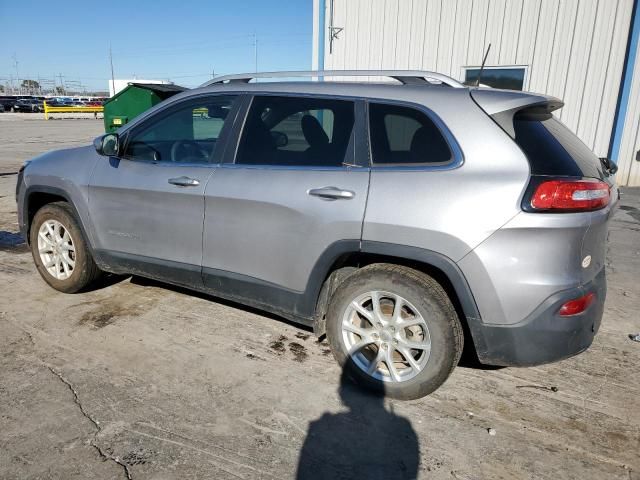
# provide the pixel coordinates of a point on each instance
(553, 149)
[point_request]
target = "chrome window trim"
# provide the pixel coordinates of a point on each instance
(456, 152)
(458, 155)
(167, 163)
(293, 167)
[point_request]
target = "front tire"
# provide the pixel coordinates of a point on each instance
(59, 249)
(394, 330)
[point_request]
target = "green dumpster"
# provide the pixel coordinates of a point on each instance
(131, 101)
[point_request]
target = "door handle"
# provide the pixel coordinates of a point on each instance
(184, 181)
(331, 193)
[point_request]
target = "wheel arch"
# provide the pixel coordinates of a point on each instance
(441, 268)
(36, 197)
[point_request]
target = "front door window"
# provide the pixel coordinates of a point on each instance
(187, 133)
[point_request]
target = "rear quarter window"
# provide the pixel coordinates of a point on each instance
(405, 136)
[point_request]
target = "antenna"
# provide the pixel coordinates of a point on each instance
(484, 60)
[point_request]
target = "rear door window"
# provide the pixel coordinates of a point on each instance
(553, 149)
(405, 136)
(296, 131)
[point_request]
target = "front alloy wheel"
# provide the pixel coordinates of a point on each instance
(56, 249)
(59, 249)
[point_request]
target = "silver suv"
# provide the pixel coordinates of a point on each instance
(401, 220)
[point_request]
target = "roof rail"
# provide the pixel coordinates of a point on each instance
(403, 76)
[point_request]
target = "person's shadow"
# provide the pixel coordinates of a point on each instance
(366, 442)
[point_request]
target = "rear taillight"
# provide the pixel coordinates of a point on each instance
(577, 305)
(570, 195)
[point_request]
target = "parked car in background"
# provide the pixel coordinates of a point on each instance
(8, 102)
(59, 102)
(29, 105)
(402, 221)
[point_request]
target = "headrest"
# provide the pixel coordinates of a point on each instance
(313, 132)
(428, 146)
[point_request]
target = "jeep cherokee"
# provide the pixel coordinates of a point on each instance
(401, 220)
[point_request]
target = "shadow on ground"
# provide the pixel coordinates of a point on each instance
(12, 242)
(367, 441)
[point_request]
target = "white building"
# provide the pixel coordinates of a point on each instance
(584, 52)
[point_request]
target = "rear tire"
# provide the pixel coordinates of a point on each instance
(415, 329)
(59, 249)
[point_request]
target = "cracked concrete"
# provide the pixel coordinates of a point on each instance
(176, 385)
(92, 442)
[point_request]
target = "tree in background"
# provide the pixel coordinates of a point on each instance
(30, 85)
(60, 90)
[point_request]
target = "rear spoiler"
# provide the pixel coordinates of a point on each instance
(502, 105)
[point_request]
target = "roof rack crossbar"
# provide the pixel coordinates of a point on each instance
(403, 76)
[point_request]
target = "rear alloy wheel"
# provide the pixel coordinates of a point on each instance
(386, 336)
(394, 330)
(59, 249)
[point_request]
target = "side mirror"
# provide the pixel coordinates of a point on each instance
(107, 145)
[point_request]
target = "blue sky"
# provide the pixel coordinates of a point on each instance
(179, 40)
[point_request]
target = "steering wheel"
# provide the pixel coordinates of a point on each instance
(184, 149)
(142, 150)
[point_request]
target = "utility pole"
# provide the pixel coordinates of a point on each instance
(15, 65)
(113, 78)
(64, 92)
(255, 51)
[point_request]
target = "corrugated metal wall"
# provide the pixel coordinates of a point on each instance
(573, 49)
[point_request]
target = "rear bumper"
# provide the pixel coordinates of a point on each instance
(543, 336)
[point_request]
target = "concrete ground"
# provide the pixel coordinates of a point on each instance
(145, 381)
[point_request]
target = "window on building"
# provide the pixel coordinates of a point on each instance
(510, 78)
(296, 131)
(404, 136)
